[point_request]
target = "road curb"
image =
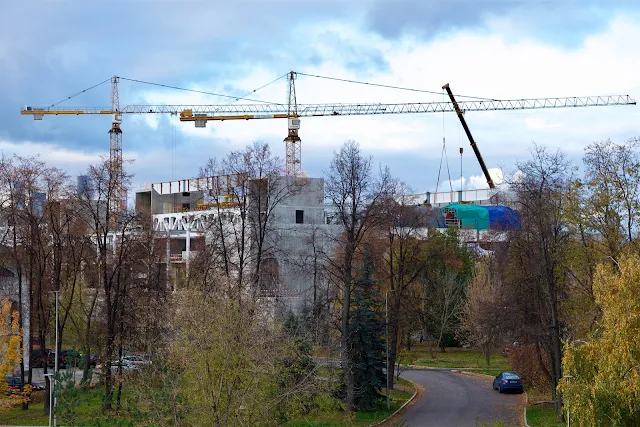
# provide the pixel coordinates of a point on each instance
(404, 405)
(477, 374)
(526, 404)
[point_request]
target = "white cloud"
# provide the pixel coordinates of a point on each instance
(501, 63)
(73, 162)
(473, 182)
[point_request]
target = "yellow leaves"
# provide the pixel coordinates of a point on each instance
(10, 356)
(606, 369)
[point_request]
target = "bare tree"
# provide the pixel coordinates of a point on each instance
(33, 190)
(483, 316)
(613, 176)
(538, 252)
(245, 189)
(403, 261)
(114, 234)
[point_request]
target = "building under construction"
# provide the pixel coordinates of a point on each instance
(186, 214)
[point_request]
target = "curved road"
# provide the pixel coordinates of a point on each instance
(457, 400)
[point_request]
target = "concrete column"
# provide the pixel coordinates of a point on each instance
(168, 260)
(188, 256)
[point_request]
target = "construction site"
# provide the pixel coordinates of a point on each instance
(183, 210)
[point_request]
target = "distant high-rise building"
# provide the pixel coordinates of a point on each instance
(19, 193)
(85, 187)
(38, 201)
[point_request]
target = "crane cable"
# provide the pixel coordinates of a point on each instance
(392, 87)
(461, 150)
(79, 93)
(235, 98)
(255, 90)
(444, 155)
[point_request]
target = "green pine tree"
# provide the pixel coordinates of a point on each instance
(368, 345)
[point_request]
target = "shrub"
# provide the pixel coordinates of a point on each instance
(524, 360)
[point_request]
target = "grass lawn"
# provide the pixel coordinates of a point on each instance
(360, 419)
(542, 416)
(31, 417)
(456, 358)
(89, 410)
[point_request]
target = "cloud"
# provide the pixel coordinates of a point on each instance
(473, 182)
(73, 162)
(610, 58)
(496, 49)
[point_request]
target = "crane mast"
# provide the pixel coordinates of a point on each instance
(119, 198)
(460, 115)
(292, 141)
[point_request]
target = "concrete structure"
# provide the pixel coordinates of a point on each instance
(301, 229)
(186, 210)
(484, 196)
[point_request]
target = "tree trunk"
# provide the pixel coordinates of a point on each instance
(425, 333)
(25, 404)
(393, 347)
(393, 341)
(119, 393)
(486, 349)
(108, 386)
(345, 341)
(556, 345)
(85, 371)
(441, 340)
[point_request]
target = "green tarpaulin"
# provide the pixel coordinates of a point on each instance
(471, 216)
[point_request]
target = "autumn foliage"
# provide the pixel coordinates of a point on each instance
(605, 370)
(9, 351)
(531, 363)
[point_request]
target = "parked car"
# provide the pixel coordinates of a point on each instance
(39, 357)
(14, 385)
(93, 360)
(508, 381)
(126, 366)
(136, 362)
(51, 359)
(71, 358)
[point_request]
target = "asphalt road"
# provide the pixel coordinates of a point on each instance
(458, 400)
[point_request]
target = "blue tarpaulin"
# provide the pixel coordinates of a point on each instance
(483, 217)
(503, 218)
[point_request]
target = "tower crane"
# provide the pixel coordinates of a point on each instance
(293, 112)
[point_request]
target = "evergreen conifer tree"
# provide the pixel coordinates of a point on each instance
(368, 346)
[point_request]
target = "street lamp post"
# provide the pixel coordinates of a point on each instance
(567, 377)
(55, 369)
(386, 323)
(50, 396)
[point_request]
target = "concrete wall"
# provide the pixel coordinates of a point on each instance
(309, 199)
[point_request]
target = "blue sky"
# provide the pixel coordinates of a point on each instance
(494, 48)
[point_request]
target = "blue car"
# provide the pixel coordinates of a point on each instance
(508, 381)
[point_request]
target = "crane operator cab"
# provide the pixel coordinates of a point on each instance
(36, 116)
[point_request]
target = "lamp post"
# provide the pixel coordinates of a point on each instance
(567, 377)
(386, 323)
(55, 369)
(50, 396)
